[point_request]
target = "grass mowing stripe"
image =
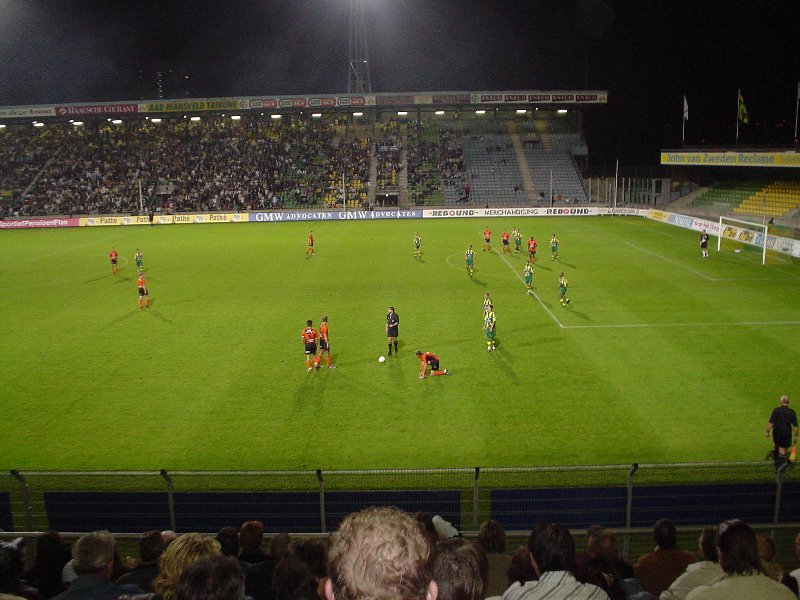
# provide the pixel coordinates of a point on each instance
(534, 294)
(672, 262)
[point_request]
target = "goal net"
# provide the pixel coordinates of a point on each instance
(736, 235)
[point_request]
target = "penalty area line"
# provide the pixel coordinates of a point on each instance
(534, 294)
(720, 324)
(673, 262)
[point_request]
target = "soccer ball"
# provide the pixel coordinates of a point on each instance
(381, 359)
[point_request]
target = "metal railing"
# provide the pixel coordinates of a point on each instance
(623, 496)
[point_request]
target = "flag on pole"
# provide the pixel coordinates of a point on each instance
(685, 109)
(742, 114)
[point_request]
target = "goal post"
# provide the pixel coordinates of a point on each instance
(743, 232)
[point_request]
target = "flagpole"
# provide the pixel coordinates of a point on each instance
(738, 95)
(796, 106)
(685, 117)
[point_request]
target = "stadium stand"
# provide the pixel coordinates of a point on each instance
(215, 163)
(754, 197)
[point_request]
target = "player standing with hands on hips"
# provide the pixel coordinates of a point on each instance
(783, 425)
(392, 326)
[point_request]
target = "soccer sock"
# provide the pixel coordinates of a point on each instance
(390, 347)
(308, 362)
(328, 359)
(395, 346)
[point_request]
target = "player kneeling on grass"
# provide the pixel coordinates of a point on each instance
(429, 359)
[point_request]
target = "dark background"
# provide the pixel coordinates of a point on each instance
(647, 54)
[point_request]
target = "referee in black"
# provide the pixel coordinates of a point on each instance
(392, 325)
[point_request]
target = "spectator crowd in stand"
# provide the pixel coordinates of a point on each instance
(173, 165)
(388, 554)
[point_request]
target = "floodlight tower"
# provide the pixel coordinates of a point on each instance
(358, 79)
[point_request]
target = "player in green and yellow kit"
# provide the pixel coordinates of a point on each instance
(469, 256)
(490, 328)
(563, 284)
(417, 245)
(527, 276)
(554, 247)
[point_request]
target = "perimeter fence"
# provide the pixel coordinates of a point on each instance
(621, 497)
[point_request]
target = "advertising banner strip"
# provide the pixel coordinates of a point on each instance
(38, 223)
(331, 101)
(334, 215)
(732, 159)
(532, 211)
(729, 231)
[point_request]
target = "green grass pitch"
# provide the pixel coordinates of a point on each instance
(662, 356)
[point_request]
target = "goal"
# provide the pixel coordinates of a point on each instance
(742, 233)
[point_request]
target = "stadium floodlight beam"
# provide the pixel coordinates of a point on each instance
(358, 77)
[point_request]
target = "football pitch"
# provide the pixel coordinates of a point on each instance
(662, 356)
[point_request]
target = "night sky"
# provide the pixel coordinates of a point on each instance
(647, 54)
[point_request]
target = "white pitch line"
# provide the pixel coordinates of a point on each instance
(674, 262)
(534, 294)
(645, 325)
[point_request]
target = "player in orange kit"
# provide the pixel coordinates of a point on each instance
(429, 359)
(310, 249)
(324, 343)
(144, 295)
(113, 256)
(532, 245)
(487, 239)
(309, 337)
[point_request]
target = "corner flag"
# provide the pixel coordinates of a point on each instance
(742, 114)
(685, 109)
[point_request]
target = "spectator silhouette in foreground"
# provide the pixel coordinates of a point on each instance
(93, 562)
(460, 570)
(258, 578)
(379, 554)
(301, 573)
(552, 550)
(657, 570)
(738, 557)
(251, 533)
(151, 546)
(12, 587)
(698, 573)
(52, 553)
(492, 540)
(211, 578)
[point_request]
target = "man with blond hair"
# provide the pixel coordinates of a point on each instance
(379, 554)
